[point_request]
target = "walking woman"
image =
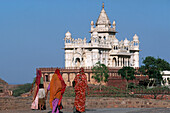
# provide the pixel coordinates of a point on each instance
(56, 88)
(37, 82)
(57, 71)
(80, 82)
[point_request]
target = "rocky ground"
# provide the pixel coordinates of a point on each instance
(105, 110)
(93, 105)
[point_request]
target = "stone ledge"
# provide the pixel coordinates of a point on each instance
(91, 102)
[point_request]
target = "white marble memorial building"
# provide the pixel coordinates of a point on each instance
(103, 46)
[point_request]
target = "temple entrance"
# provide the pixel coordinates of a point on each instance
(77, 61)
(114, 62)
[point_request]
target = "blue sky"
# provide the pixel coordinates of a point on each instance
(32, 31)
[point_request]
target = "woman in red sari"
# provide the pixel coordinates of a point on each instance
(80, 91)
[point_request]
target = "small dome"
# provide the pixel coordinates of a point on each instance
(114, 23)
(94, 34)
(92, 23)
(126, 42)
(68, 34)
(115, 41)
(135, 38)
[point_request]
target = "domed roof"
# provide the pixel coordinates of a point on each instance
(126, 42)
(92, 23)
(115, 41)
(95, 33)
(135, 38)
(103, 18)
(68, 34)
(114, 23)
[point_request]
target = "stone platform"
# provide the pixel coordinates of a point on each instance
(24, 103)
(104, 110)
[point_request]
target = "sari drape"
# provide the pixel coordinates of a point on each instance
(80, 91)
(63, 86)
(34, 104)
(55, 89)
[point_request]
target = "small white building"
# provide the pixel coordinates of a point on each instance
(103, 46)
(166, 77)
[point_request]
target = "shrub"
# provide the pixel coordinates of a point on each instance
(22, 89)
(132, 85)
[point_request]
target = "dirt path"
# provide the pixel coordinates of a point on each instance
(109, 110)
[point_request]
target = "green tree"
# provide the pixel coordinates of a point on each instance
(153, 67)
(162, 64)
(100, 73)
(127, 73)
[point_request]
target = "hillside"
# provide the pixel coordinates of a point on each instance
(2, 82)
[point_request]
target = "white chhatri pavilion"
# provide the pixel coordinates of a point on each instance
(103, 47)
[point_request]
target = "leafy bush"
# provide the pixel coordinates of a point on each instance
(22, 89)
(131, 85)
(110, 91)
(144, 83)
(106, 91)
(69, 92)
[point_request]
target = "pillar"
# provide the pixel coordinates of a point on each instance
(68, 77)
(119, 62)
(127, 61)
(48, 77)
(88, 77)
(43, 74)
(122, 61)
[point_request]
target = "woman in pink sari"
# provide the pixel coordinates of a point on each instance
(34, 104)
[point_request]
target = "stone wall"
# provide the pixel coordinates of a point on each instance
(107, 102)
(118, 82)
(21, 103)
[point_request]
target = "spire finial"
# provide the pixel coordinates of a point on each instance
(103, 5)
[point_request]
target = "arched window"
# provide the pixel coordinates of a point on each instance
(116, 48)
(135, 44)
(46, 78)
(114, 62)
(77, 61)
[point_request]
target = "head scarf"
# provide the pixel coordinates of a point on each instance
(38, 77)
(80, 89)
(81, 70)
(57, 71)
(80, 79)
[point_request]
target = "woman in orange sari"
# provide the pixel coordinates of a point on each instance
(56, 88)
(80, 91)
(57, 71)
